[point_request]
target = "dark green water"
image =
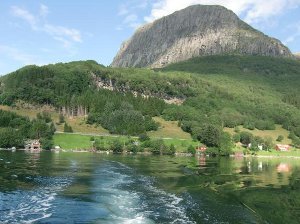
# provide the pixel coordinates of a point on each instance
(95, 188)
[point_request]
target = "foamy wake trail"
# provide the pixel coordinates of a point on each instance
(30, 206)
(133, 198)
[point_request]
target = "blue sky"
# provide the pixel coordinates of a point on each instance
(50, 31)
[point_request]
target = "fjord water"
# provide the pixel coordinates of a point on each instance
(96, 188)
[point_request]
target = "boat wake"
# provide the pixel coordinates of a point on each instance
(30, 206)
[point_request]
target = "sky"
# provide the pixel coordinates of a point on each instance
(50, 31)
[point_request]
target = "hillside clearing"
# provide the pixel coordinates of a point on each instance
(169, 129)
(76, 141)
(266, 133)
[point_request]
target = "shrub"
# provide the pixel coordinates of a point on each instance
(68, 128)
(236, 137)
(225, 147)
(212, 151)
(268, 143)
(249, 125)
(143, 137)
(191, 149)
(246, 137)
(116, 146)
(132, 148)
(279, 138)
(265, 125)
(46, 143)
(172, 149)
(61, 119)
(237, 129)
(98, 144)
(44, 116)
(209, 135)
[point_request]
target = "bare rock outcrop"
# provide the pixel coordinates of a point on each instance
(192, 32)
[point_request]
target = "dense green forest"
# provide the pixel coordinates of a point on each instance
(216, 91)
(15, 130)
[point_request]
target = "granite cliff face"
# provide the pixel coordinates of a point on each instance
(195, 31)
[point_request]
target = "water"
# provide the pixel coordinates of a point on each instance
(96, 188)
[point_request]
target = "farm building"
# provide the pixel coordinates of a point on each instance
(282, 148)
(33, 145)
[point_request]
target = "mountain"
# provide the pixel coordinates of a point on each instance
(198, 30)
(297, 55)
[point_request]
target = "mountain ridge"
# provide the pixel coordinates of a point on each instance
(195, 31)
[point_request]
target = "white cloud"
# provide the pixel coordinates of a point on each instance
(44, 10)
(19, 56)
(129, 11)
(67, 36)
(123, 10)
(60, 31)
(130, 18)
(254, 11)
(295, 30)
(25, 15)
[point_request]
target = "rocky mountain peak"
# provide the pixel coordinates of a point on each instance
(195, 31)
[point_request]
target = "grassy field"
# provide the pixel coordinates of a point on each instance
(169, 129)
(292, 152)
(79, 141)
(267, 133)
(78, 124)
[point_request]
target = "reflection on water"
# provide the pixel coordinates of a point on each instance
(85, 188)
(283, 168)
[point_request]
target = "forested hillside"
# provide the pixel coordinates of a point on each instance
(213, 92)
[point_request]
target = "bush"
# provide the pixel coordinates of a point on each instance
(143, 137)
(191, 149)
(158, 147)
(9, 137)
(212, 151)
(246, 137)
(47, 144)
(249, 124)
(172, 149)
(296, 142)
(236, 137)
(133, 148)
(98, 144)
(237, 129)
(268, 143)
(265, 125)
(209, 135)
(61, 119)
(68, 128)
(116, 146)
(225, 147)
(279, 138)
(150, 124)
(44, 116)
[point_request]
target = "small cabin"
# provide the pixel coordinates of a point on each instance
(201, 149)
(282, 148)
(33, 145)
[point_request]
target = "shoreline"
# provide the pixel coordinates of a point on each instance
(180, 154)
